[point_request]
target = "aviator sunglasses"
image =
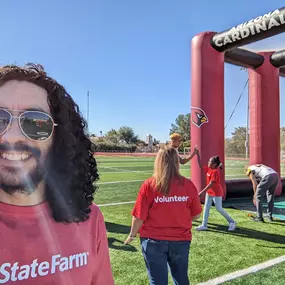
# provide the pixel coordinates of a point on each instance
(35, 125)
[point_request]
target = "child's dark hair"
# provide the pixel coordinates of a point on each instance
(216, 159)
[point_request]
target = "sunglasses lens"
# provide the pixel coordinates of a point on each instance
(36, 125)
(5, 118)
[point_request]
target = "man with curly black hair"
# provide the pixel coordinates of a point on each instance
(50, 231)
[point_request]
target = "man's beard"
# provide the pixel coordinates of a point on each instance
(28, 184)
(24, 182)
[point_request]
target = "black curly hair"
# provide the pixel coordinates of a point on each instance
(216, 160)
(73, 168)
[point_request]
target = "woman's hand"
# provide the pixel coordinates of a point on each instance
(136, 224)
(129, 240)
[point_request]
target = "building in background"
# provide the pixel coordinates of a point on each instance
(149, 142)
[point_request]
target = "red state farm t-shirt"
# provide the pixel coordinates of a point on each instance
(34, 249)
(214, 175)
(167, 217)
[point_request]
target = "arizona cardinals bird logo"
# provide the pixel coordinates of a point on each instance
(198, 117)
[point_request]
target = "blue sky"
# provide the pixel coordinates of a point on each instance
(132, 55)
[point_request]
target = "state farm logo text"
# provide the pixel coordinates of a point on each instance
(18, 272)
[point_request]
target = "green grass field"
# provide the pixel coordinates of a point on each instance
(213, 253)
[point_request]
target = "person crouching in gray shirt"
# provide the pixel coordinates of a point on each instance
(264, 181)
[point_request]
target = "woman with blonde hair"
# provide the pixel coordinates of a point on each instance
(163, 213)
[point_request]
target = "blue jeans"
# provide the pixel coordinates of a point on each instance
(219, 206)
(161, 254)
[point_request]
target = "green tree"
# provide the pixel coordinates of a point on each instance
(112, 132)
(235, 145)
(155, 141)
(128, 135)
(282, 138)
(113, 136)
(182, 126)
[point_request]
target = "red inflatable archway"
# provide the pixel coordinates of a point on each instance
(209, 53)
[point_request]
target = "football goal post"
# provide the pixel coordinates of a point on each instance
(187, 150)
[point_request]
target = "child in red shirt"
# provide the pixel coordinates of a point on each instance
(163, 213)
(214, 192)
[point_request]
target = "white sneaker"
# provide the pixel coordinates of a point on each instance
(232, 226)
(201, 228)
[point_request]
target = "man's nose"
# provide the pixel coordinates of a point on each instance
(13, 134)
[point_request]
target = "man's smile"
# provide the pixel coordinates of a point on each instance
(15, 155)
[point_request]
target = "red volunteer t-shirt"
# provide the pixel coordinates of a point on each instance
(167, 217)
(34, 249)
(214, 175)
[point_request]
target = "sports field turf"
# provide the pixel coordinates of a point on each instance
(274, 276)
(213, 253)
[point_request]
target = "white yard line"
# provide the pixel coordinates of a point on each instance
(130, 181)
(116, 182)
(108, 167)
(115, 204)
(119, 170)
(129, 171)
(128, 163)
(244, 272)
(132, 171)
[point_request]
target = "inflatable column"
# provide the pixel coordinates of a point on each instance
(207, 105)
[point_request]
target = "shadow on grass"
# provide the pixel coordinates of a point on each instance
(116, 243)
(119, 245)
(117, 228)
(248, 233)
(278, 222)
(268, 246)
